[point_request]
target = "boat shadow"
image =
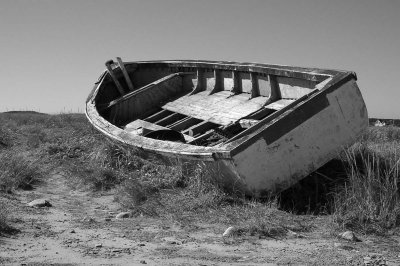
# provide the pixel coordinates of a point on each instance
(315, 193)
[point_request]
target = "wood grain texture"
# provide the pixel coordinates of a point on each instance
(125, 73)
(114, 78)
(220, 108)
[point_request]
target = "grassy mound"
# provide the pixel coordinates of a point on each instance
(359, 188)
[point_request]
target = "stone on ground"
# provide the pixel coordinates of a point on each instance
(39, 203)
(350, 236)
(123, 215)
(229, 232)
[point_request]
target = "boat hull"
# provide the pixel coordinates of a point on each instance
(266, 165)
(280, 149)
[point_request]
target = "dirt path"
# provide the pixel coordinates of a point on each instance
(81, 228)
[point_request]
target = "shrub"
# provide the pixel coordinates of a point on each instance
(370, 199)
(5, 138)
(16, 171)
(4, 214)
(92, 176)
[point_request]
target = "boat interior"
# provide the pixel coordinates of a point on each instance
(198, 104)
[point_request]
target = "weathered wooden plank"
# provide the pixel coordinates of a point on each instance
(314, 74)
(218, 86)
(260, 114)
(322, 84)
(255, 91)
(143, 89)
(246, 123)
(184, 123)
(245, 82)
(275, 90)
(201, 137)
(221, 107)
(209, 79)
(201, 81)
(264, 86)
(169, 119)
(227, 80)
(278, 105)
(114, 78)
(141, 127)
(236, 88)
(125, 73)
(199, 128)
(292, 88)
(157, 116)
(138, 124)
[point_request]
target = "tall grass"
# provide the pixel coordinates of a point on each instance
(4, 217)
(370, 198)
(17, 172)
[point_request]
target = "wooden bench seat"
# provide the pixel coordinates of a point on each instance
(141, 127)
(220, 108)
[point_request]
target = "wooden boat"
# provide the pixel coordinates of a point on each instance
(262, 127)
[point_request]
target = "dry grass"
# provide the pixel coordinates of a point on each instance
(4, 217)
(364, 195)
(17, 171)
(370, 198)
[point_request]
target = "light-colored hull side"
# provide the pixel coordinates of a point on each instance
(266, 167)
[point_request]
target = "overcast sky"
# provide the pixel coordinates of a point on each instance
(53, 51)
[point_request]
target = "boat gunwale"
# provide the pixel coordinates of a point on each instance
(227, 150)
(312, 73)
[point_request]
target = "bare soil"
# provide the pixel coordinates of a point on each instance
(80, 228)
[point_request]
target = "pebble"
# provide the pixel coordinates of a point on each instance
(229, 232)
(143, 262)
(141, 245)
(107, 219)
(123, 215)
(72, 231)
(290, 233)
(38, 203)
(98, 245)
(350, 236)
(88, 219)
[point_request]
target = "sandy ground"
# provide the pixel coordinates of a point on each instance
(80, 228)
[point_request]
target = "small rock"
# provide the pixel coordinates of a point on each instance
(350, 236)
(117, 250)
(143, 262)
(141, 245)
(336, 245)
(292, 234)
(98, 245)
(229, 232)
(88, 219)
(173, 242)
(72, 231)
(107, 219)
(39, 203)
(123, 215)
